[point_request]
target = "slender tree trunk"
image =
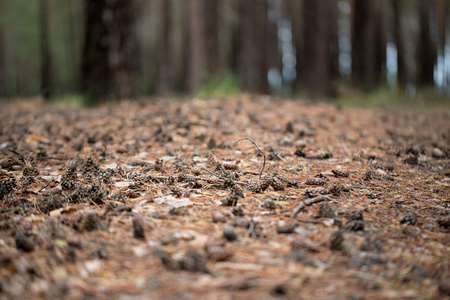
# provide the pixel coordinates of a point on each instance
(74, 40)
(203, 42)
(110, 56)
(3, 85)
(367, 45)
(96, 75)
(333, 40)
(316, 47)
(380, 40)
(295, 14)
(236, 38)
(46, 68)
(426, 47)
(164, 84)
(399, 42)
(253, 42)
(124, 47)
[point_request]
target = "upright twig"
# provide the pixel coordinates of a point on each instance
(264, 163)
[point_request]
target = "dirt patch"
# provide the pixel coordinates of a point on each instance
(251, 197)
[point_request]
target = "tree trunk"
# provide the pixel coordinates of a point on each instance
(295, 14)
(73, 39)
(164, 84)
(253, 42)
(333, 41)
(367, 44)
(316, 50)
(110, 57)
(3, 85)
(124, 53)
(399, 42)
(203, 42)
(426, 48)
(46, 69)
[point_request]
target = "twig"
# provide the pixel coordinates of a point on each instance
(309, 202)
(52, 157)
(251, 229)
(264, 163)
(71, 194)
(50, 182)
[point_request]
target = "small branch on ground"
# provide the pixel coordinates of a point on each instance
(311, 201)
(264, 163)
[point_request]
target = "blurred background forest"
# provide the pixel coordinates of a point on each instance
(114, 49)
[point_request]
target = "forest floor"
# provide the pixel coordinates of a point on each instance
(243, 198)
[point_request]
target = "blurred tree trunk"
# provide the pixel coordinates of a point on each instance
(316, 47)
(203, 27)
(73, 39)
(381, 26)
(235, 37)
(164, 84)
(46, 68)
(333, 41)
(368, 44)
(399, 42)
(253, 46)
(110, 56)
(3, 86)
(183, 74)
(426, 46)
(96, 75)
(124, 48)
(295, 15)
(442, 8)
(273, 53)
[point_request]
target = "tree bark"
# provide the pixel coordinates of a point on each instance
(333, 40)
(295, 14)
(124, 50)
(426, 48)
(3, 85)
(316, 50)
(164, 84)
(399, 42)
(203, 42)
(46, 68)
(110, 56)
(367, 44)
(253, 43)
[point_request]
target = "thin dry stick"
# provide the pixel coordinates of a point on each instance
(264, 163)
(71, 194)
(309, 202)
(45, 186)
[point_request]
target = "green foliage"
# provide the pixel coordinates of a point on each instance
(19, 18)
(393, 98)
(220, 85)
(70, 101)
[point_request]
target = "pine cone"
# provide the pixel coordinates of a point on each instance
(278, 185)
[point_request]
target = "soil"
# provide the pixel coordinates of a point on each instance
(241, 198)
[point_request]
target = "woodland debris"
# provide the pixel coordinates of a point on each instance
(301, 242)
(309, 202)
(218, 217)
(444, 221)
(409, 218)
(138, 226)
(229, 233)
(23, 241)
(91, 221)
